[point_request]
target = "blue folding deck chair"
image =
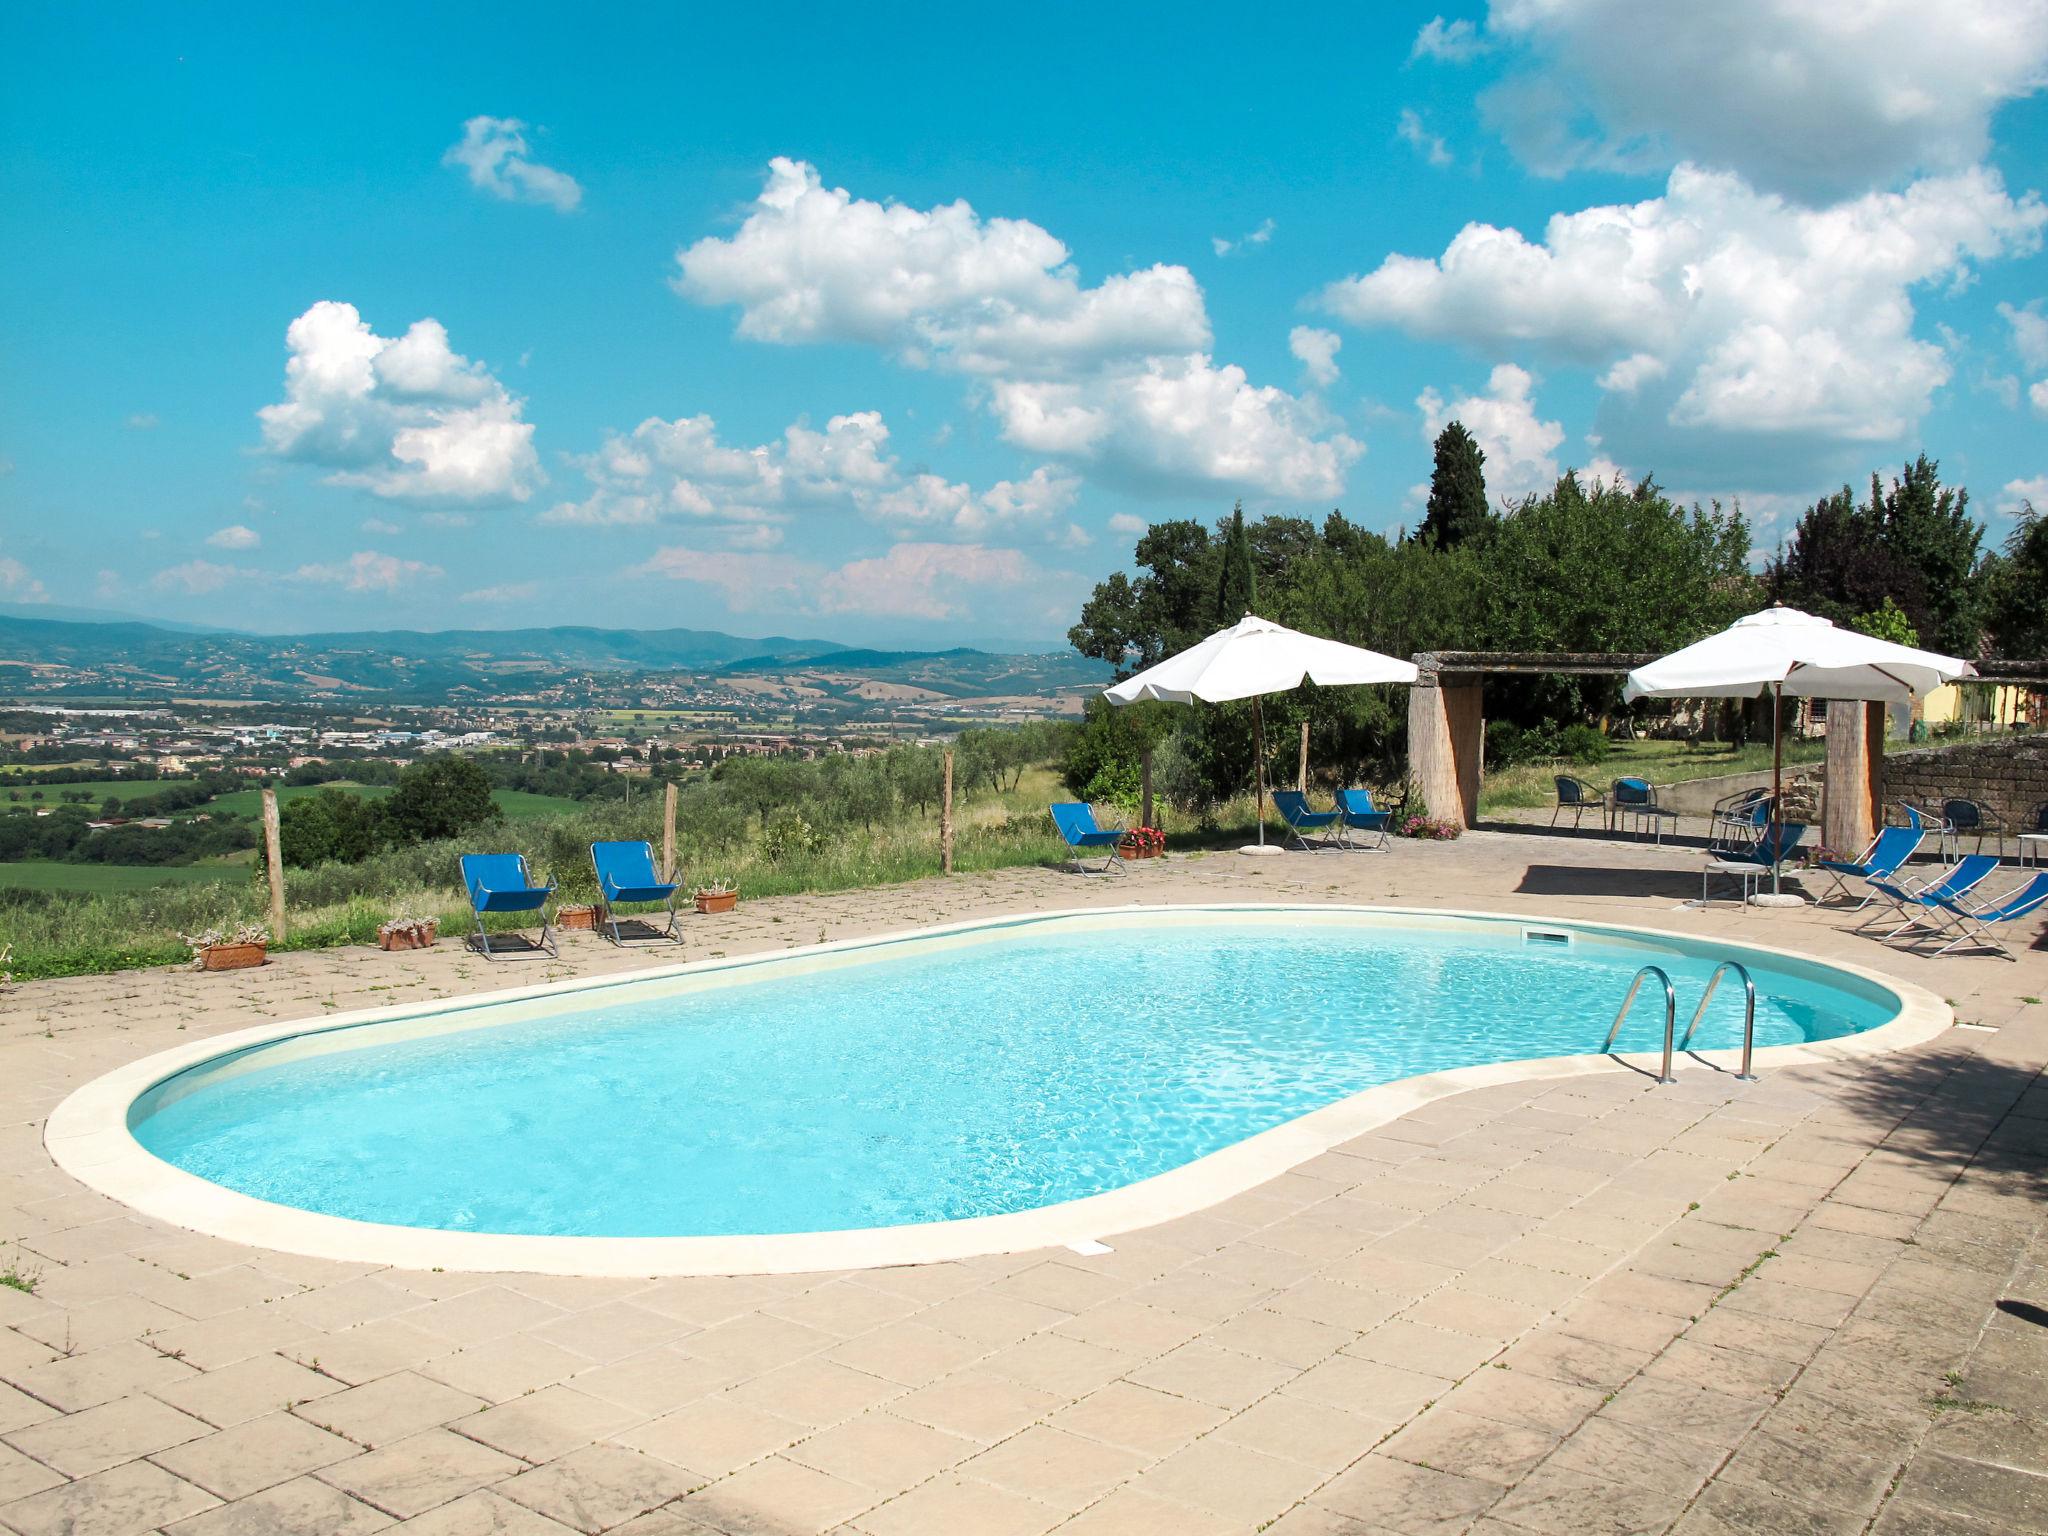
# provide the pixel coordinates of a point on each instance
(1750, 865)
(1973, 925)
(1292, 805)
(1915, 906)
(1882, 860)
(625, 873)
(1076, 823)
(1356, 807)
(500, 882)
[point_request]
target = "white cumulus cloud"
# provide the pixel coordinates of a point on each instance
(234, 536)
(2018, 495)
(1316, 349)
(1263, 235)
(1114, 379)
(1813, 97)
(2029, 332)
(196, 578)
(1520, 447)
(1748, 313)
(494, 153)
(368, 571)
(1034, 507)
(19, 583)
(407, 419)
(912, 580)
(1449, 42)
(1411, 130)
(944, 285)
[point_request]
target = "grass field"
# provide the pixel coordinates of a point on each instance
(98, 789)
(49, 875)
(1661, 762)
(515, 803)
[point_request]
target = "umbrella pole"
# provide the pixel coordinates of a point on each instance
(1777, 774)
(1259, 768)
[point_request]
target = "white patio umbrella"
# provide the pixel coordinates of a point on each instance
(1256, 656)
(1781, 651)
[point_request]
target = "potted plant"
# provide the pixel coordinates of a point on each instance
(229, 948)
(407, 931)
(717, 896)
(1143, 843)
(583, 916)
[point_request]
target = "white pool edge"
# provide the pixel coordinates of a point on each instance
(88, 1137)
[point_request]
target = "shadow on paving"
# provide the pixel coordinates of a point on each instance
(1951, 1108)
(1611, 881)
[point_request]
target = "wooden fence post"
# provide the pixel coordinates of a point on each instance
(946, 819)
(1145, 790)
(668, 834)
(1301, 778)
(273, 857)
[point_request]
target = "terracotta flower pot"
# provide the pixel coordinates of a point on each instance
(232, 957)
(409, 938)
(716, 901)
(584, 917)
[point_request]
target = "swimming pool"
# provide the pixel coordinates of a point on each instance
(948, 1079)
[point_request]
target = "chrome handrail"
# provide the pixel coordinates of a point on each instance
(1670, 1016)
(1748, 1013)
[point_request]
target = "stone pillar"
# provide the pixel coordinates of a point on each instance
(1446, 741)
(1852, 807)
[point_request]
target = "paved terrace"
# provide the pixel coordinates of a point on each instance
(1812, 1304)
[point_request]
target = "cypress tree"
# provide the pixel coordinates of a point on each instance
(1237, 588)
(1457, 490)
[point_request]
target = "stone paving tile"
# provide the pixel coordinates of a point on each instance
(1717, 1307)
(421, 1472)
(301, 1505)
(255, 1454)
(122, 1501)
(107, 1435)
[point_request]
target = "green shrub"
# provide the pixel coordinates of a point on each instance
(1583, 744)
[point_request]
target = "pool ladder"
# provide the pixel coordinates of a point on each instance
(1671, 1037)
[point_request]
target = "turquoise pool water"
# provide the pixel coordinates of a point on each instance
(1044, 1063)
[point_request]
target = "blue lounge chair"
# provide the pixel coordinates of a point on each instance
(1292, 805)
(500, 882)
(1356, 807)
(1577, 796)
(1882, 860)
(1750, 865)
(625, 875)
(1915, 906)
(1077, 825)
(1973, 925)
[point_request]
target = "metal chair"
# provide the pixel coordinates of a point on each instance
(1965, 817)
(1580, 797)
(1637, 799)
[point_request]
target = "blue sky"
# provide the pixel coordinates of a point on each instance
(895, 327)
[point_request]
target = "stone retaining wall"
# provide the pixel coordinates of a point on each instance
(2010, 775)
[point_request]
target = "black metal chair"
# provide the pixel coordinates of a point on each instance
(1965, 818)
(1577, 796)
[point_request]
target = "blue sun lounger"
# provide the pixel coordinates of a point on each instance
(1292, 805)
(1356, 807)
(500, 882)
(625, 874)
(1077, 826)
(1973, 925)
(1915, 906)
(1750, 865)
(1882, 860)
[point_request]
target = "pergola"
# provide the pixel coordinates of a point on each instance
(1447, 731)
